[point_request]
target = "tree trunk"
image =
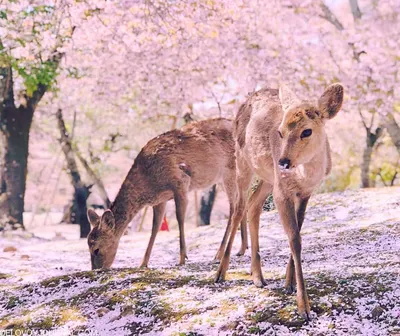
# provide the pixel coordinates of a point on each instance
(16, 123)
(206, 205)
(393, 130)
(81, 195)
(82, 192)
(366, 161)
(371, 140)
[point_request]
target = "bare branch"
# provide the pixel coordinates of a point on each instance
(355, 9)
(393, 179)
(363, 121)
(379, 131)
(382, 179)
(66, 146)
(393, 129)
(330, 17)
(372, 120)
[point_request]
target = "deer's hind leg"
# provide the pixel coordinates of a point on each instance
(158, 214)
(231, 192)
(222, 247)
(243, 183)
(243, 235)
(181, 202)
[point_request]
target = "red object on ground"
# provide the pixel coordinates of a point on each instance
(164, 225)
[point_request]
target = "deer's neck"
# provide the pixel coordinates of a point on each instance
(313, 171)
(129, 201)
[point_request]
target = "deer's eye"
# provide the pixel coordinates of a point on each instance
(306, 133)
(96, 252)
(280, 135)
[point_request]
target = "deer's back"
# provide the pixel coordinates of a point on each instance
(255, 130)
(202, 150)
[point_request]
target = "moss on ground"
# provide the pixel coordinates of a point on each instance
(4, 276)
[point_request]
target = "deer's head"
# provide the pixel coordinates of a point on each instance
(302, 128)
(102, 239)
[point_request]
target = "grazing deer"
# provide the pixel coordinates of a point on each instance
(283, 141)
(169, 166)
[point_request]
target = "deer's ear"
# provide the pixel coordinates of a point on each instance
(94, 218)
(108, 220)
(287, 97)
(331, 100)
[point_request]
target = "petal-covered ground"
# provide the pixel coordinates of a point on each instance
(351, 262)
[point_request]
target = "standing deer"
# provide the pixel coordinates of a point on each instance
(281, 139)
(198, 156)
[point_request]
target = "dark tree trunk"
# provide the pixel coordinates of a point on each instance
(206, 205)
(81, 195)
(82, 192)
(16, 123)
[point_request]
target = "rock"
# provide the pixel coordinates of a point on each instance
(25, 257)
(10, 249)
(102, 311)
(377, 312)
(127, 311)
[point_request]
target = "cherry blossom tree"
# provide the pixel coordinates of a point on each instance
(32, 33)
(156, 60)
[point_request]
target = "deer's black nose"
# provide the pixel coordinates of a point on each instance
(284, 163)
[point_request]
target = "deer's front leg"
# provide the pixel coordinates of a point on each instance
(290, 270)
(158, 214)
(287, 213)
(256, 203)
(181, 202)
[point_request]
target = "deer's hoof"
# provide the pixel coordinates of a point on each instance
(259, 282)
(241, 253)
(306, 316)
(220, 276)
(216, 261)
(182, 260)
(290, 289)
(143, 266)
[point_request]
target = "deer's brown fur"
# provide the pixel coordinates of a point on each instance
(273, 141)
(169, 166)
